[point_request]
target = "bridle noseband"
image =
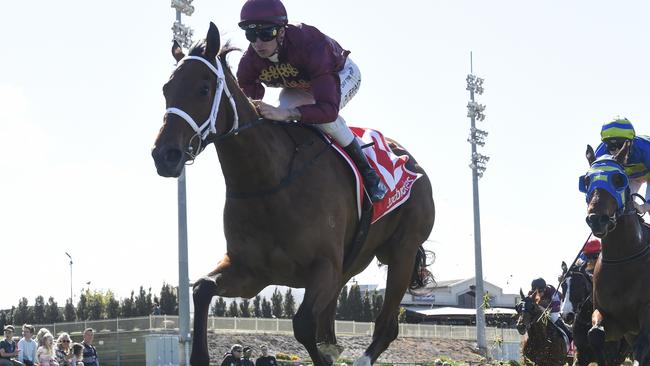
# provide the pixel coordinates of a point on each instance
(209, 126)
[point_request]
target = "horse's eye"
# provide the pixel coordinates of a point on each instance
(205, 90)
(619, 181)
(583, 185)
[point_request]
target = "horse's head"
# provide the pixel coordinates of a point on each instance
(195, 109)
(528, 311)
(606, 188)
(576, 289)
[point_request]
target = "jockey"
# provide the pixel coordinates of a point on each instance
(614, 134)
(315, 73)
(590, 254)
(550, 298)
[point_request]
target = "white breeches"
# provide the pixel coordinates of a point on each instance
(554, 317)
(636, 186)
(350, 80)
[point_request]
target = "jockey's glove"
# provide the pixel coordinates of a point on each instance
(642, 208)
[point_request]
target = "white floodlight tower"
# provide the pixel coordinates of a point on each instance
(183, 35)
(478, 162)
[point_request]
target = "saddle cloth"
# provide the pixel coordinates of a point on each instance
(390, 168)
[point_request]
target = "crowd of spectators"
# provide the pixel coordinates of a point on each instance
(241, 356)
(41, 350)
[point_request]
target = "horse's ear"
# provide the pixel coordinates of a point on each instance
(521, 293)
(177, 51)
(621, 156)
(564, 267)
(591, 156)
(213, 42)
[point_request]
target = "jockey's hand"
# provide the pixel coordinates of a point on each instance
(642, 208)
(276, 114)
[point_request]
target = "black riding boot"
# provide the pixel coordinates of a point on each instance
(560, 323)
(374, 186)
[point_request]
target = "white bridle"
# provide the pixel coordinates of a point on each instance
(209, 126)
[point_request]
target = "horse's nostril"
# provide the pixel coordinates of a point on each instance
(172, 156)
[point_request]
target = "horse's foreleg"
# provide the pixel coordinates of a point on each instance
(226, 280)
(641, 349)
(319, 294)
(326, 336)
(400, 269)
(596, 336)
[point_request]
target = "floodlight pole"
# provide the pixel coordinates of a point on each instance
(70, 257)
(183, 35)
(478, 161)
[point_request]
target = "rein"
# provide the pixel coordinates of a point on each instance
(206, 133)
(642, 253)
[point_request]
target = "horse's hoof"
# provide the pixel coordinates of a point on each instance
(596, 337)
(363, 361)
(330, 351)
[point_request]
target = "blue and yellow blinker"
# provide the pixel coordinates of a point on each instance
(606, 173)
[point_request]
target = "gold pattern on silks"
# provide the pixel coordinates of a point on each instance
(271, 74)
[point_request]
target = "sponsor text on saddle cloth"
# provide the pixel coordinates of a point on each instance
(390, 168)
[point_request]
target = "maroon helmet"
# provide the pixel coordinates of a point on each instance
(262, 12)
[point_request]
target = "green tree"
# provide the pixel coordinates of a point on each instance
(267, 311)
(366, 309)
(95, 306)
(377, 302)
(143, 303)
(69, 312)
(401, 318)
(3, 319)
(82, 307)
(219, 307)
(39, 310)
(245, 308)
(276, 303)
(52, 311)
(355, 303)
(112, 306)
(127, 308)
(168, 300)
(342, 309)
(257, 307)
(233, 309)
(22, 314)
(289, 305)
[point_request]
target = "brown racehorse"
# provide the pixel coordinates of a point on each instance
(544, 345)
(622, 273)
(290, 213)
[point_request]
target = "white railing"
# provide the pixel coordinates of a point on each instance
(170, 322)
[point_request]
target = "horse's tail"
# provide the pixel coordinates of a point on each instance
(421, 277)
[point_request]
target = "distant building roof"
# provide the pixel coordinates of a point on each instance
(447, 283)
(451, 311)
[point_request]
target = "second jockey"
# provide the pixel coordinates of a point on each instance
(315, 73)
(550, 298)
(614, 134)
(590, 254)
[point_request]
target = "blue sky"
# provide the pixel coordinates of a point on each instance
(80, 91)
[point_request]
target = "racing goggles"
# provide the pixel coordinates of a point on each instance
(613, 145)
(264, 34)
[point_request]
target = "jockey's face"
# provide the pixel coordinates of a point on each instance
(267, 48)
